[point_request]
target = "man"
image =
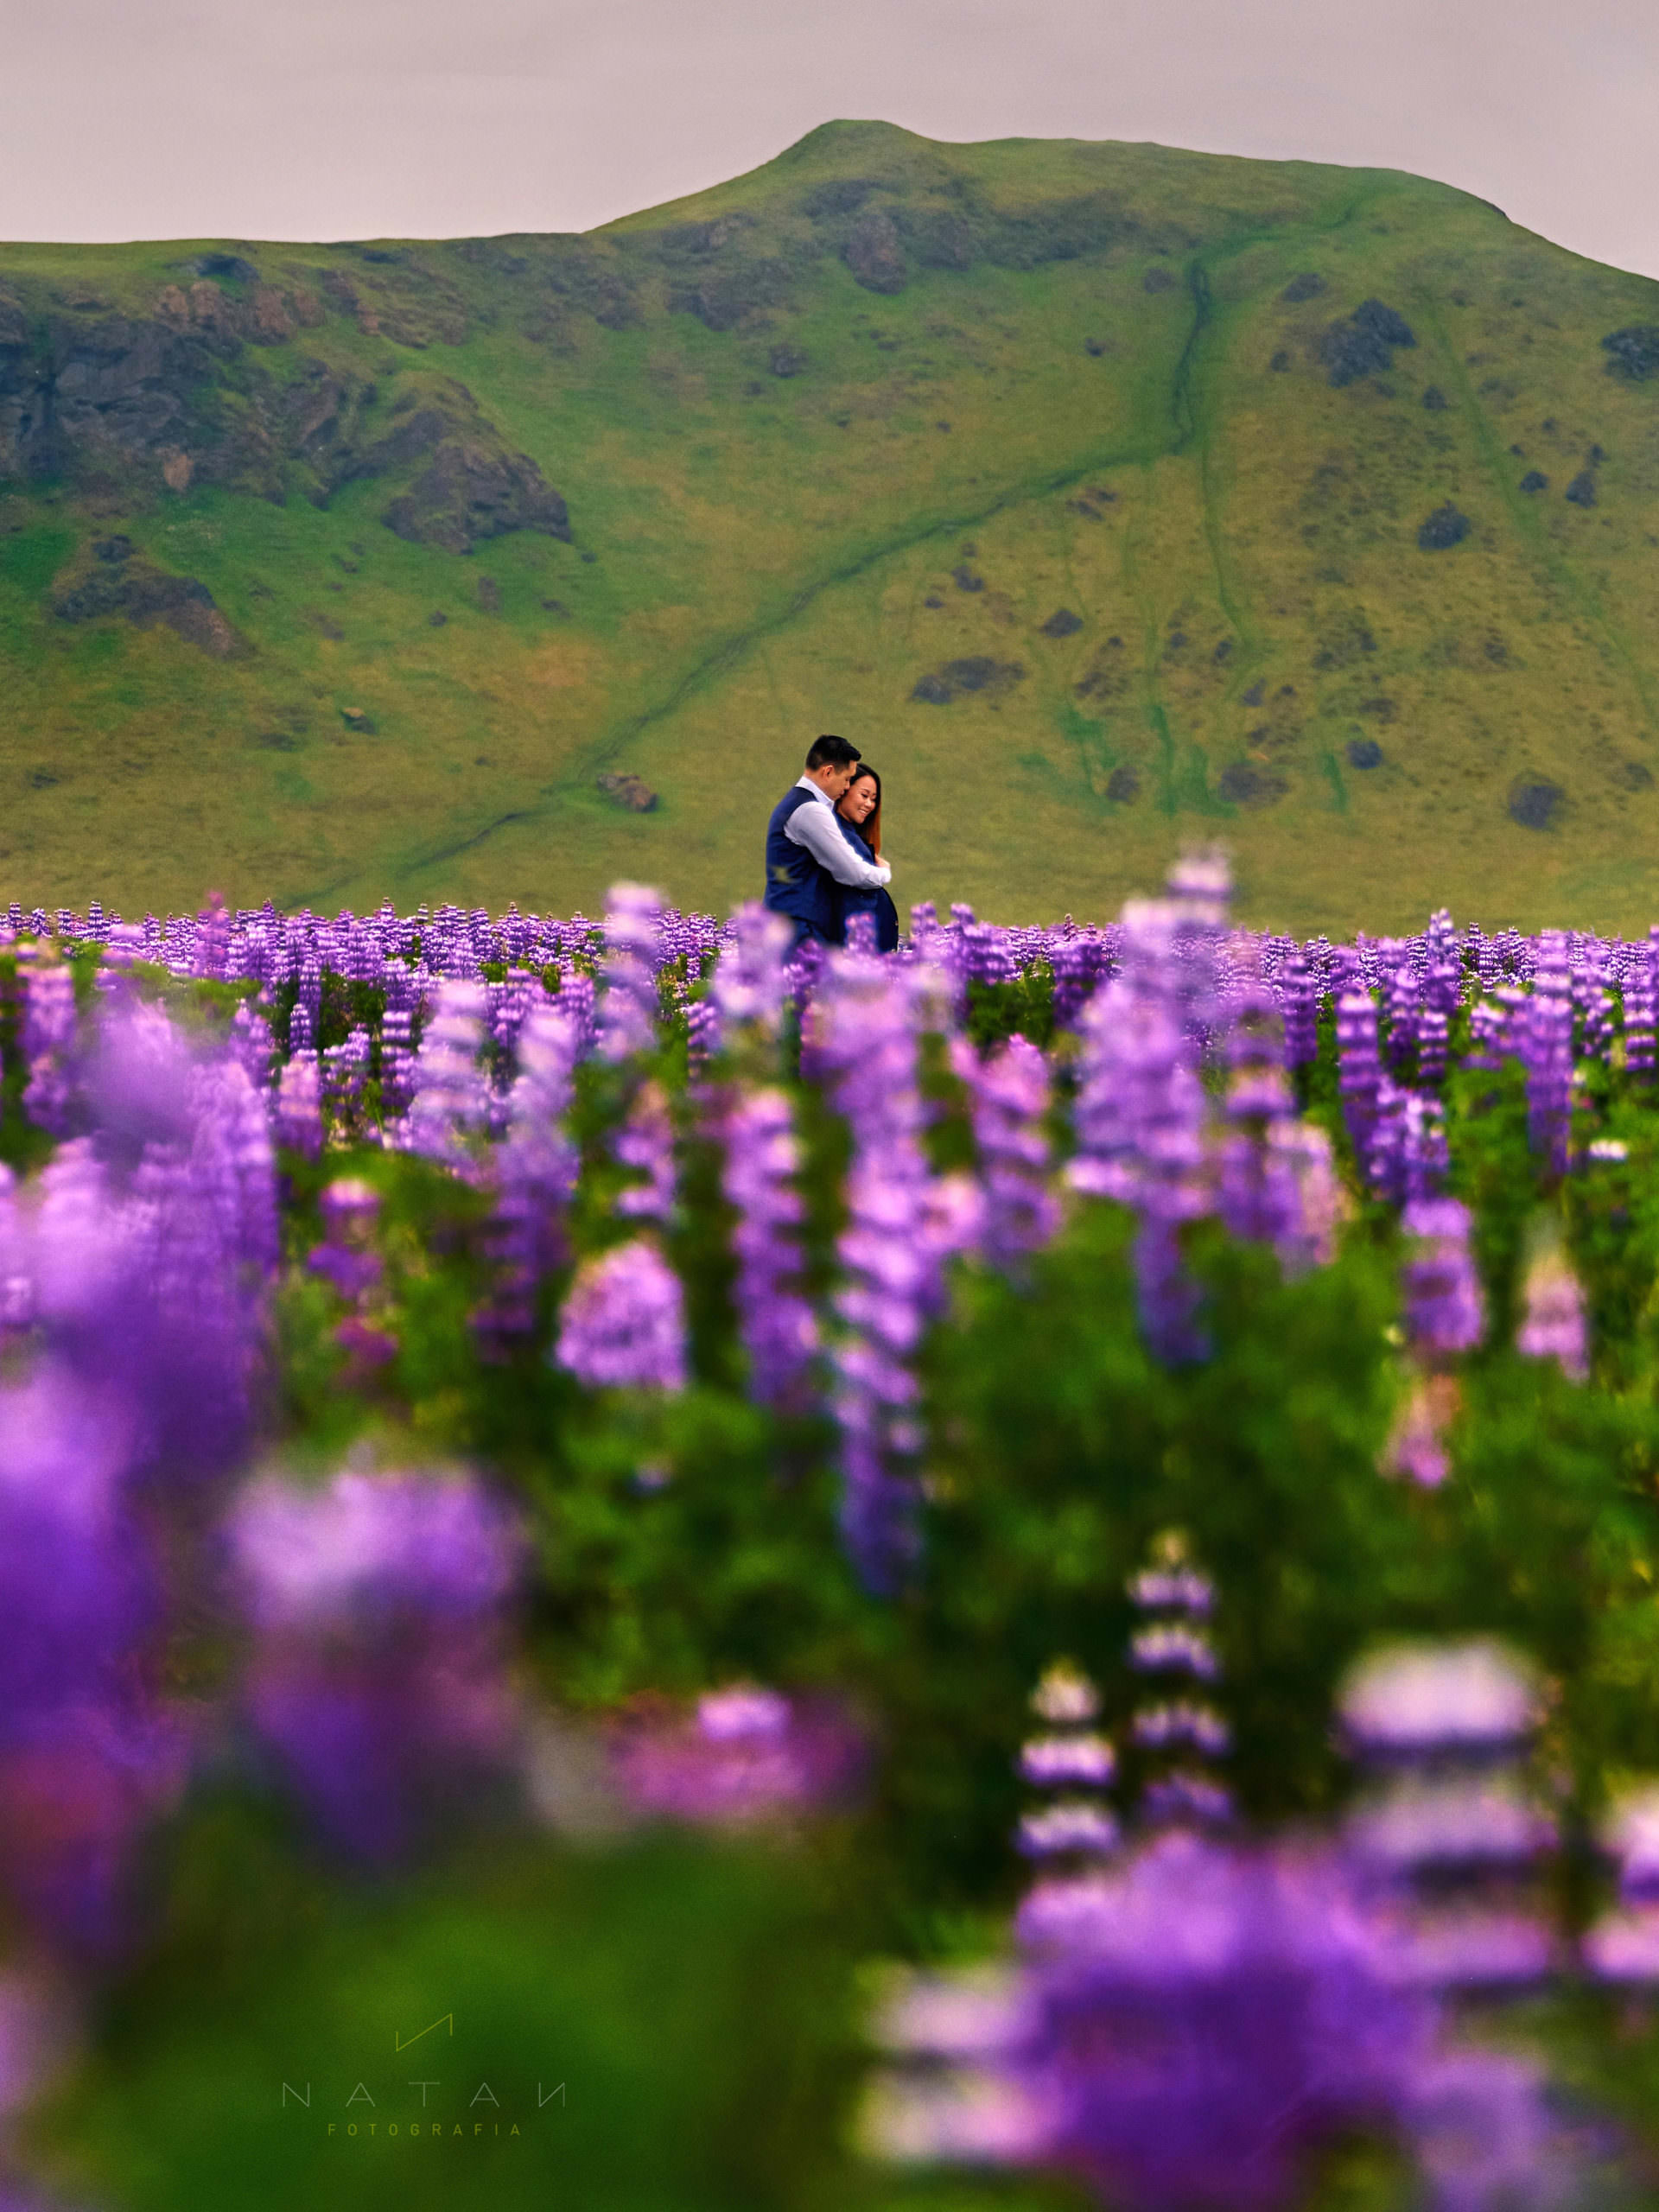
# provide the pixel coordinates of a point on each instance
(806, 854)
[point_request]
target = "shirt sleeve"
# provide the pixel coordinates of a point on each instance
(813, 827)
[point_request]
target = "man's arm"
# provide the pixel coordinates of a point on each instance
(812, 827)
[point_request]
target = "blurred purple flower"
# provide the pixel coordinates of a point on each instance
(623, 1325)
(777, 1326)
(1445, 1312)
(1553, 1324)
(743, 1755)
(377, 1678)
(627, 1013)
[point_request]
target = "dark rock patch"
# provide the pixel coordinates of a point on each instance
(471, 492)
(556, 607)
(131, 589)
(1633, 352)
(113, 550)
(1380, 710)
(1435, 400)
(1177, 641)
(358, 720)
(932, 600)
(1581, 491)
(1536, 806)
(436, 619)
(1123, 785)
(1363, 344)
(1242, 782)
(786, 360)
(1597, 456)
(1446, 527)
(324, 627)
(965, 580)
(1307, 286)
(1633, 775)
(1158, 280)
(976, 674)
(1092, 345)
(1534, 480)
(1363, 753)
(225, 264)
(1280, 362)
(728, 296)
(277, 740)
(631, 791)
(1253, 697)
(1223, 650)
(1084, 505)
(1061, 623)
(876, 253)
(42, 780)
(1497, 651)
(840, 196)
(489, 595)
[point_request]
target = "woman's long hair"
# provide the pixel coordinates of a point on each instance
(870, 828)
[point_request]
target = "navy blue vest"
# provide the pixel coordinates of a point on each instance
(874, 901)
(796, 885)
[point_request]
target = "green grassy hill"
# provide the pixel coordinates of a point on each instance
(1098, 491)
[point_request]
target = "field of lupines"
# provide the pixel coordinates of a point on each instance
(1020, 1574)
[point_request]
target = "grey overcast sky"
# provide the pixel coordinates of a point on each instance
(355, 118)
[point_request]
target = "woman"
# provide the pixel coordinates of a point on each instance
(859, 818)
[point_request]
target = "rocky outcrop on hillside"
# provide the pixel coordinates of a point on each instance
(155, 405)
(117, 582)
(1363, 344)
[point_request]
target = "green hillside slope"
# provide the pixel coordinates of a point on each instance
(1110, 496)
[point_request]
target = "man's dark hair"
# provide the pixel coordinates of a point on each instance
(831, 753)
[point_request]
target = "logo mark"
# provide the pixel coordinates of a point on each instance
(446, 2019)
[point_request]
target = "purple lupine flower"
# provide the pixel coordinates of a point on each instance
(743, 1755)
(777, 1326)
(1300, 1001)
(627, 1015)
(1259, 1194)
(451, 1102)
(1359, 1071)
(1415, 1447)
(48, 1042)
(1073, 1830)
(1545, 1047)
(296, 1116)
(1639, 1022)
(1140, 1124)
(1010, 1091)
(87, 1757)
(378, 1679)
(623, 1325)
(1445, 1311)
(704, 1035)
(863, 1037)
(1553, 1325)
(645, 1143)
(1447, 1840)
(1174, 1640)
(750, 982)
(349, 1207)
(1251, 1993)
(536, 1167)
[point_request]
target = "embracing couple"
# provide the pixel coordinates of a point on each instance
(824, 849)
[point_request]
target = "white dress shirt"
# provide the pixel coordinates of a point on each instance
(816, 832)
